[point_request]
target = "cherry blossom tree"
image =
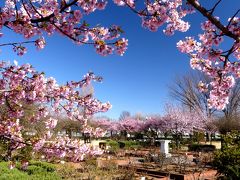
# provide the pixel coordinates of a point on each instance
(153, 125)
(102, 123)
(22, 84)
(130, 125)
(179, 121)
(111, 126)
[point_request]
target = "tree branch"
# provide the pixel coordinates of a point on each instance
(16, 43)
(214, 7)
(213, 20)
(47, 18)
(232, 18)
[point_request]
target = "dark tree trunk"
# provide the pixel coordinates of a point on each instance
(207, 137)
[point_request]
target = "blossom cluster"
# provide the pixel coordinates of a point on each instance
(207, 56)
(21, 85)
(180, 120)
(94, 132)
(36, 18)
(63, 147)
(130, 125)
(157, 13)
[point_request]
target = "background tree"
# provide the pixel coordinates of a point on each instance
(124, 115)
(153, 126)
(226, 125)
(179, 121)
(186, 91)
(130, 126)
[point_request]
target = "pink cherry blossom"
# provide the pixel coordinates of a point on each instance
(40, 43)
(22, 83)
(33, 19)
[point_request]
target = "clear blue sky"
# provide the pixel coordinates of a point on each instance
(137, 81)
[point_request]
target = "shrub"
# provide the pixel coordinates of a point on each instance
(121, 144)
(198, 136)
(227, 161)
(131, 144)
(145, 144)
(48, 167)
(113, 145)
(201, 147)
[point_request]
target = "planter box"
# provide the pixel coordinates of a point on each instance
(101, 163)
(208, 174)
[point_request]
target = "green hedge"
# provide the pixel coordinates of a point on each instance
(122, 144)
(201, 147)
(131, 144)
